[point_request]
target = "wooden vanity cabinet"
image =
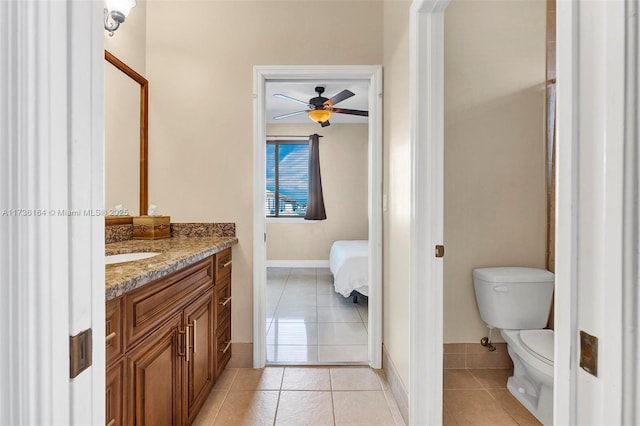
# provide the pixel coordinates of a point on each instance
(167, 343)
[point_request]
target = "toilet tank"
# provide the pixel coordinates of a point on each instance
(513, 297)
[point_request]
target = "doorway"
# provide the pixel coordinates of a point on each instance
(372, 75)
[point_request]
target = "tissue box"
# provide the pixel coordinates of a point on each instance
(151, 227)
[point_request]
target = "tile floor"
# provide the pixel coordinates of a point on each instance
(300, 396)
(481, 397)
(309, 323)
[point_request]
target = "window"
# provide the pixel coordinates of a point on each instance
(287, 178)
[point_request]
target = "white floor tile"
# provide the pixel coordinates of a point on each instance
(334, 299)
(296, 314)
(343, 353)
(294, 301)
(292, 333)
(292, 353)
(346, 333)
(328, 290)
(338, 314)
(299, 291)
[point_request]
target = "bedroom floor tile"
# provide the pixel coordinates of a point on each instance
(300, 302)
(333, 299)
(292, 333)
(337, 314)
(336, 333)
(343, 353)
(292, 354)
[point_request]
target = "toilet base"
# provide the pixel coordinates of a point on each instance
(541, 407)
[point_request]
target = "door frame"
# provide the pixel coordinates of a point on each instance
(261, 75)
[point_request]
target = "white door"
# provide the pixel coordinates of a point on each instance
(597, 211)
(51, 230)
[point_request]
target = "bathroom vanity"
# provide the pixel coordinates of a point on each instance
(168, 328)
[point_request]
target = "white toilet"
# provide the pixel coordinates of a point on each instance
(517, 301)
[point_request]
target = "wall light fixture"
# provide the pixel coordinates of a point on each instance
(118, 10)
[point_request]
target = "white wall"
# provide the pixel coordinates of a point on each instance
(344, 165)
(396, 185)
(494, 210)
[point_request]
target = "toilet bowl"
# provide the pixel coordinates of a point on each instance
(517, 301)
(532, 382)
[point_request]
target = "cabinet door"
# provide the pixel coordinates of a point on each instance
(115, 388)
(155, 376)
(199, 318)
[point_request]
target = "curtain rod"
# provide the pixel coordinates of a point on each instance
(291, 136)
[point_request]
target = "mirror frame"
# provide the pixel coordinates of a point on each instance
(144, 137)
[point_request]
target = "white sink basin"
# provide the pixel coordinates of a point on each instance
(128, 257)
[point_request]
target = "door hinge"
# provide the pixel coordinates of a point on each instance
(439, 250)
(79, 352)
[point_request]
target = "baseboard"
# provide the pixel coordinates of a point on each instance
(241, 355)
(297, 263)
(398, 389)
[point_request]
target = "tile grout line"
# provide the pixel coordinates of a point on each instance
(275, 416)
(225, 397)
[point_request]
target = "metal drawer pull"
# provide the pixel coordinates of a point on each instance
(227, 264)
(226, 348)
(112, 422)
(109, 337)
(193, 339)
(187, 345)
(227, 300)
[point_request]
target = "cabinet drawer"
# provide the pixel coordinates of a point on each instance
(113, 330)
(223, 348)
(147, 307)
(223, 263)
(115, 394)
(223, 299)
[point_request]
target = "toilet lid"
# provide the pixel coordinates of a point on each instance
(538, 342)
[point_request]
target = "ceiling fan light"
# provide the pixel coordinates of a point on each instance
(319, 115)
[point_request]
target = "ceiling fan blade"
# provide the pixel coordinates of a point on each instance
(291, 114)
(350, 111)
(345, 94)
(289, 98)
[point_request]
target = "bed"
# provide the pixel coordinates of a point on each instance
(349, 264)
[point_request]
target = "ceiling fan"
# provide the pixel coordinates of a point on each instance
(321, 108)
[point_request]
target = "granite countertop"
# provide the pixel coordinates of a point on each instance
(176, 253)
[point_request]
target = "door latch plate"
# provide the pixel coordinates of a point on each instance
(79, 352)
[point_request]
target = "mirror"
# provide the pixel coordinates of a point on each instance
(126, 134)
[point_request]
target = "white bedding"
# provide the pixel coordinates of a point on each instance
(349, 264)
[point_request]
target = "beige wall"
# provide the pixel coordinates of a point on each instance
(122, 111)
(494, 149)
(396, 185)
(343, 164)
(200, 58)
